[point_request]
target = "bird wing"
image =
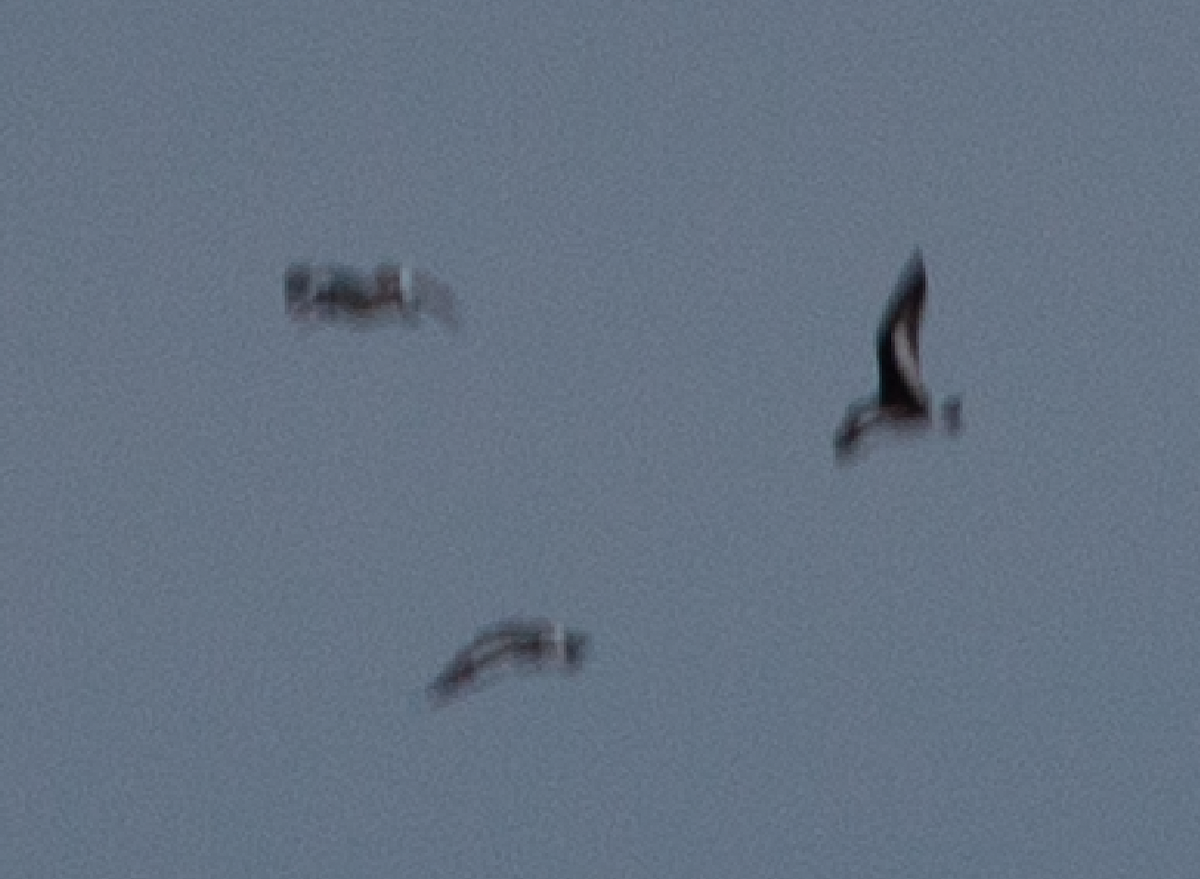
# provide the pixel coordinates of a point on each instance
(899, 349)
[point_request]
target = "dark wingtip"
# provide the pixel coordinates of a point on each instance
(843, 447)
(848, 432)
(916, 261)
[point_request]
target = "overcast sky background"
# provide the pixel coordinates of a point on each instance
(233, 552)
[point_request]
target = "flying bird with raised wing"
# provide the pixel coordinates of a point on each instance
(903, 401)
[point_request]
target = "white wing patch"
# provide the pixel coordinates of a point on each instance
(907, 362)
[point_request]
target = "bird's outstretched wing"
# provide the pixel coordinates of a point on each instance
(898, 342)
(528, 644)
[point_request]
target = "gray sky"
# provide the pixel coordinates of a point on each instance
(232, 551)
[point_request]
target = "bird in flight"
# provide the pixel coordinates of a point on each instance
(523, 644)
(903, 401)
(329, 292)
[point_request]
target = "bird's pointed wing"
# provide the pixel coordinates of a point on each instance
(899, 338)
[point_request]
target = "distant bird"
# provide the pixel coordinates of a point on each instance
(903, 401)
(525, 644)
(329, 292)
